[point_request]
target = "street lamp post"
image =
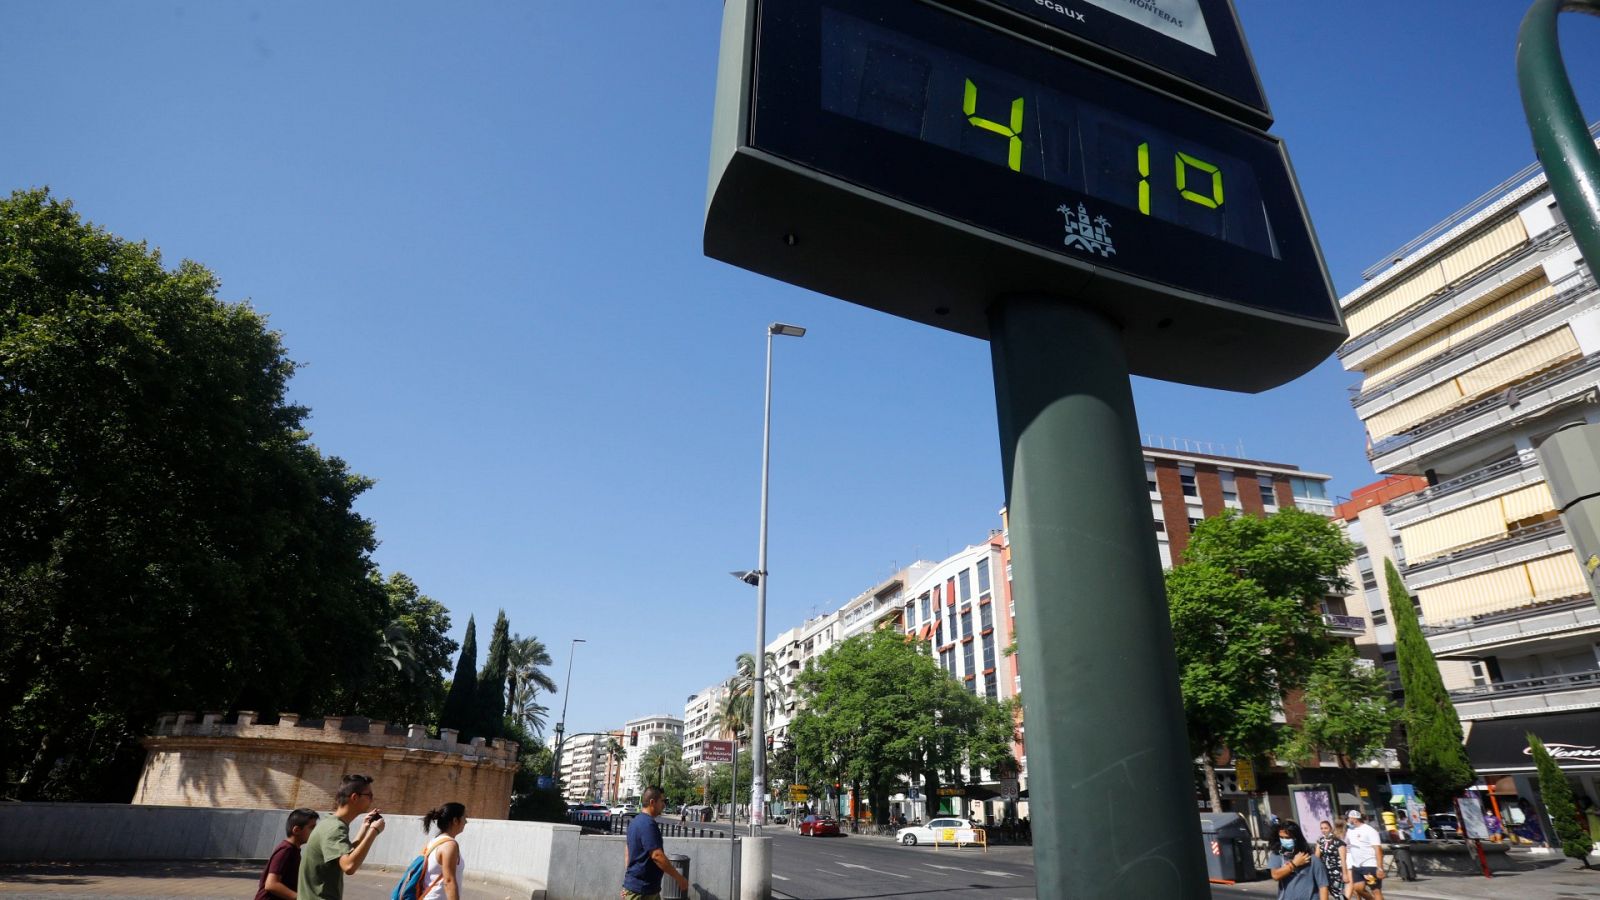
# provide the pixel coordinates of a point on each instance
(758, 744)
(561, 726)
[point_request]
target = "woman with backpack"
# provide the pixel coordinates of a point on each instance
(441, 876)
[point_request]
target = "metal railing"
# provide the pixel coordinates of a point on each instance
(1559, 604)
(1541, 685)
(1492, 470)
(1477, 408)
(1543, 307)
(1512, 536)
(1344, 623)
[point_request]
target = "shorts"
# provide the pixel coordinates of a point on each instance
(630, 895)
(1371, 875)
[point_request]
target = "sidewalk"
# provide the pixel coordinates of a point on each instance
(1539, 878)
(231, 880)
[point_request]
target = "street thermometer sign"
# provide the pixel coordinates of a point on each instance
(923, 161)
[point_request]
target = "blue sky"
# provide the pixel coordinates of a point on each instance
(478, 228)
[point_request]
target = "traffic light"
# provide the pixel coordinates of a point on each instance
(633, 739)
(769, 742)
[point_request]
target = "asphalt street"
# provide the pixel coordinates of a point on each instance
(814, 868)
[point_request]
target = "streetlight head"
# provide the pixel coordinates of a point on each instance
(786, 330)
(579, 641)
(750, 578)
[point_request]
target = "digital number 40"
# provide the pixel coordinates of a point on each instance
(1182, 162)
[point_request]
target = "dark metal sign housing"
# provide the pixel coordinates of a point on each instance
(916, 160)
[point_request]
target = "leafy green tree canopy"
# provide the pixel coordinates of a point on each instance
(169, 537)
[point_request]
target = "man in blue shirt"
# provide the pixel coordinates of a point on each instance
(646, 859)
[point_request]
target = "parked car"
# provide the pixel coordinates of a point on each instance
(624, 809)
(1444, 825)
(817, 826)
(588, 814)
(913, 835)
(779, 819)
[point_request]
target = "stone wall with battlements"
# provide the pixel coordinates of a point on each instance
(202, 760)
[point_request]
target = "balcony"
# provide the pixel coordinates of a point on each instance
(1408, 324)
(1572, 382)
(1530, 542)
(1497, 478)
(1344, 626)
(1574, 296)
(1547, 693)
(1490, 633)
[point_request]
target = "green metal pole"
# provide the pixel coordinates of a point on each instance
(1560, 138)
(1110, 774)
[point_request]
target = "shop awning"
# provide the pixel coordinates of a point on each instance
(1501, 745)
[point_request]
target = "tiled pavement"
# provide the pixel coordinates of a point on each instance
(66, 881)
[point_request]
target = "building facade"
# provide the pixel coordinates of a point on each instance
(583, 767)
(649, 731)
(1475, 342)
(700, 721)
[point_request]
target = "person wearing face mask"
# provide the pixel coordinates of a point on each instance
(1300, 876)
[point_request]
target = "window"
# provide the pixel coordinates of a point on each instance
(1380, 616)
(1186, 478)
(966, 657)
(1161, 527)
(924, 599)
(1307, 489)
(947, 661)
(983, 576)
(990, 687)
(938, 633)
(966, 621)
(988, 651)
(964, 580)
(1268, 498)
(1150, 476)
(985, 617)
(1230, 488)
(1193, 522)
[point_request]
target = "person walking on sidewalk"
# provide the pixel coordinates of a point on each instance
(646, 859)
(1331, 851)
(441, 874)
(281, 877)
(1365, 855)
(330, 855)
(1300, 875)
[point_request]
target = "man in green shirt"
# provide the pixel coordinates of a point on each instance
(329, 855)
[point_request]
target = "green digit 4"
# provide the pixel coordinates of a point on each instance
(969, 106)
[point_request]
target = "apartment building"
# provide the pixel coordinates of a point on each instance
(1376, 541)
(1475, 342)
(583, 767)
(700, 721)
(650, 730)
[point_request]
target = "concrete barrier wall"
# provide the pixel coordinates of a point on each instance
(539, 859)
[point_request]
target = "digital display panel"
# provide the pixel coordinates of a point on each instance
(916, 103)
(890, 80)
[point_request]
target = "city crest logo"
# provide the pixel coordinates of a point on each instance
(1086, 234)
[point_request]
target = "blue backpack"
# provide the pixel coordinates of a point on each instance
(410, 886)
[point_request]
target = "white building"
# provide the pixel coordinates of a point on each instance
(1475, 342)
(583, 767)
(650, 730)
(699, 713)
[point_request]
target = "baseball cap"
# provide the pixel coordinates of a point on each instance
(1353, 814)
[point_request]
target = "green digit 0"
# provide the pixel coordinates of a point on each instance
(969, 105)
(1144, 179)
(1185, 162)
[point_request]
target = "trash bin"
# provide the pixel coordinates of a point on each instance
(1226, 840)
(669, 888)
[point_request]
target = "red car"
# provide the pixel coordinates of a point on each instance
(817, 826)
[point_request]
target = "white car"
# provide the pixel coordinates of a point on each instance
(943, 829)
(625, 809)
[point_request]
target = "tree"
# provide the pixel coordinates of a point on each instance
(461, 704)
(662, 764)
(157, 491)
(1247, 627)
(493, 679)
(1348, 712)
(1571, 829)
(1439, 765)
(409, 683)
(744, 678)
(732, 717)
(525, 678)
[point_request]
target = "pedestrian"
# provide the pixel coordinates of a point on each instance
(646, 860)
(1364, 855)
(329, 854)
(1300, 876)
(281, 878)
(441, 875)
(1331, 851)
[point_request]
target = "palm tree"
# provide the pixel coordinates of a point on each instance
(733, 715)
(525, 677)
(744, 681)
(662, 764)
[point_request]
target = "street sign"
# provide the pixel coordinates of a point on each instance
(717, 751)
(925, 164)
(1244, 771)
(798, 793)
(952, 791)
(1010, 789)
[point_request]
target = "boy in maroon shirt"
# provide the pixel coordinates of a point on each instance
(282, 876)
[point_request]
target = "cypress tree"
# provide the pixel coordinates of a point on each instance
(1571, 831)
(461, 704)
(1439, 764)
(492, 680)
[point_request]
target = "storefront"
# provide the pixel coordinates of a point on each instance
(1500, 754)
